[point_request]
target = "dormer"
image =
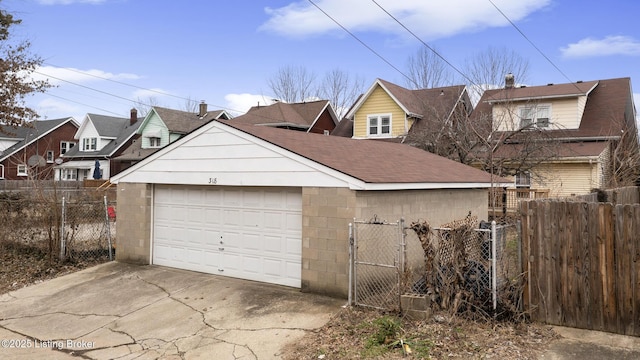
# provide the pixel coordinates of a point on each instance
(552, 107)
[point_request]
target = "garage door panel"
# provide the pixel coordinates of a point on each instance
(260, 230)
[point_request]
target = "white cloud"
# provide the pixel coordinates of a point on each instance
(58, 75)
(610, 45)
(428, 19)
(239, 104)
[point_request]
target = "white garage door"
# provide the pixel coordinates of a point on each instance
(248, 233)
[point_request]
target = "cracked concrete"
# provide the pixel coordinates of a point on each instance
(121, 311)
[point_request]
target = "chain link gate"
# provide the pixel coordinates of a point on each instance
(87, 230)
(386, 262)
(377, 249)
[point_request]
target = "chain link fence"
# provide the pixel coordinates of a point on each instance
(483, 262)
(82, 229)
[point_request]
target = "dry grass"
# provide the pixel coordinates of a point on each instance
(353, 333)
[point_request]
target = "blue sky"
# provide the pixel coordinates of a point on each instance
(165, 52)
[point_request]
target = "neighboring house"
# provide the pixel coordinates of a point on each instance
(161, 127)
(582, 123)
(312, 116)
(274, 205)
(32, 150)
(388, 111)
(100, 138)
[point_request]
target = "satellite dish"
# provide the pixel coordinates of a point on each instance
(36, 160)
(58, 161)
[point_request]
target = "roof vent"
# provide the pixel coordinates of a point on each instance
(550, 84)
(326, 132)
(441, 92)
(579, 81)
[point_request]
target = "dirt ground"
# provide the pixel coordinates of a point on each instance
(357, 333)
(23, 265)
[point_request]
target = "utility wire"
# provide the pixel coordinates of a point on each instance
(360, 41)
(83, 104)
(426, 45)
(534, 45)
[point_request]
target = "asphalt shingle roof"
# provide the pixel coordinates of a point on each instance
(368, 160)
(299, 114)
(28, 133)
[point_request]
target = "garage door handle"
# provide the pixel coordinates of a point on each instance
(220, 270)
(220, 249)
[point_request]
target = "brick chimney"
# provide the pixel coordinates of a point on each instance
(203, 109)
(509, 81)
(134, 116)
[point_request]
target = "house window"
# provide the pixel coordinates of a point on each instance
(523, 179)
(89, 144)
(66, 146)
(68, 174)
(154, 142)
(535, 116)
(379, 125)
(22, 170)
(50, 156)
(1, 171)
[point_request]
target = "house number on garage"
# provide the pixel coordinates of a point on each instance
(213, 181)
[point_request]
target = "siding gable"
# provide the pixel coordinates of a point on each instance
(153, 126)
(565, 113)
(379, 102)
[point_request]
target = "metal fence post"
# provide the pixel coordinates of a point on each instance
(107, 226)
(351, 285)
(494, 263)
(403, 259)
(62, 224)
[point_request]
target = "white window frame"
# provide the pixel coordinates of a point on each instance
(22, 170)
(154, 142)
(69, 174)
(66, 146)
(526, 176)
(50, 156)
(535, 120)
(378, 118)
(89, 144)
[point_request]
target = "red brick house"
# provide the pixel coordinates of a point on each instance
(31, 151)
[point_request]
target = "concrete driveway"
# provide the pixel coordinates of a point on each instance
(125, 311)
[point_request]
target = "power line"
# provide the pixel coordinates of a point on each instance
(83, 104)
(425, 44)
(360, 41)
(534, 45)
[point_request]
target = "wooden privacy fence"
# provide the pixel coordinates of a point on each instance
(582, 262)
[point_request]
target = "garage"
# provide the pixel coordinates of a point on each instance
(274, 205)
(247, 233)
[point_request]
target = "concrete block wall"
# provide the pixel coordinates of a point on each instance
(133, 225)
(435, 206)
(326, 214)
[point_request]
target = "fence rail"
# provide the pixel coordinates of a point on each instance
(582, 264)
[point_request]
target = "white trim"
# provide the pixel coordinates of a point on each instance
(22, 173)
(366, 95)
(379, 117)
(428, 186)
(535, 109)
